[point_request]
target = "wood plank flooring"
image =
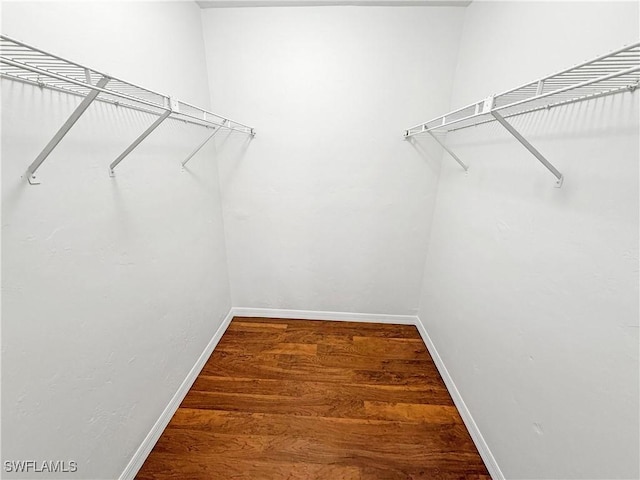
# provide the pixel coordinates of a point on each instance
(296, 399)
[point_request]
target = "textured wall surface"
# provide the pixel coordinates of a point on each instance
(329, 208)
(530, 292)
(112, 287)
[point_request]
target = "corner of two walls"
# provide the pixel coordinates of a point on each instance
(530, 292)
(522, 282)
(112, 287)
(94, 346)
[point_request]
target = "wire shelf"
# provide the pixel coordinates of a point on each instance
(25, 63)
(31, 65)
(614, 72)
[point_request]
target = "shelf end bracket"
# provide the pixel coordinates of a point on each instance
(556, 173)
(453, 155)
(199, 147)
(138, 141)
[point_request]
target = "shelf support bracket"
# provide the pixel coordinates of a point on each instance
(455, 157)
(138, 141)
(531, 148)
(64, 129)
(199, 147)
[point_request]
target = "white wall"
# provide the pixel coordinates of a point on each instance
(328, 208)
(112, 288)
(531, 292)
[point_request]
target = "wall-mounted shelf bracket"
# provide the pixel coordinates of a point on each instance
(64, 129)
(528, 146)
(138, 141)
(448, 150)
(408, 136)
(24, 63)
(613, 73)
(199, 147)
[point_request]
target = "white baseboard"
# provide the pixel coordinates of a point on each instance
(476, 436)
(152, 437)
(320, 315)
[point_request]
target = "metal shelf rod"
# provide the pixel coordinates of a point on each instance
(535, 109)
(112, 102)
(601, 57)
(27, 64)
(75, 82)
(79, 83)
(573, 87)
(113, 79)
(226, 119)
(35, 49)
(514, 104)
(614, 72)
(545, 79)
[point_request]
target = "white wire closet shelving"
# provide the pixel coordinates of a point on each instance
(615, 72)
(28, 64)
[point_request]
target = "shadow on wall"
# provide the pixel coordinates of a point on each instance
(230, 151)
(578, 139)
(423, 145)
(146, 182)
(212, 152)
(103, 131)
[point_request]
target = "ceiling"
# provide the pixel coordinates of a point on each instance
(314, 3)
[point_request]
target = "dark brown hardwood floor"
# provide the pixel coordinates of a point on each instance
(296, 399)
